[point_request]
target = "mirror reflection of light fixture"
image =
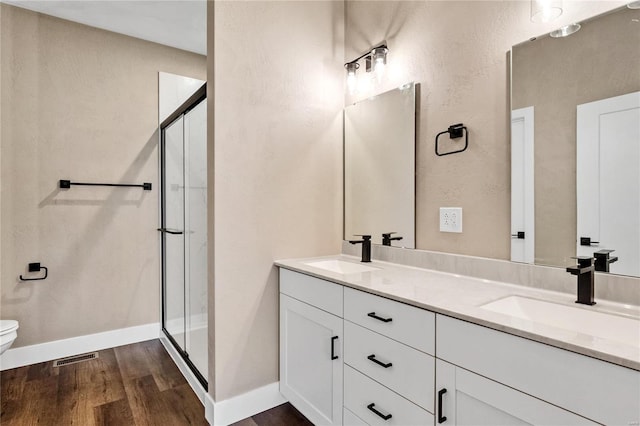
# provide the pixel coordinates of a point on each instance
(565, 31)
(375, 60)
(545, 10)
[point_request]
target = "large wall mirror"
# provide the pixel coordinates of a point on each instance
(575, 132)
(379, 166)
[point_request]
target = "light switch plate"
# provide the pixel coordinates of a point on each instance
(451, 219)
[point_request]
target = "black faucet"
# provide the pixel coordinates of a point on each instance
(603, 260)
(366, 247)
(386, 238)
(585, 272)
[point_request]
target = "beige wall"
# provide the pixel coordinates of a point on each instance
(600, 61)
(277, 139)
(80, 103)
(457, 51)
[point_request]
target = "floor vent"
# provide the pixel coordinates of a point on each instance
(75, 359)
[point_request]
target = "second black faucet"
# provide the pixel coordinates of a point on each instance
(366, 247)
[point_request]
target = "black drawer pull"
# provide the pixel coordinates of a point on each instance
(372, 357)
(373, 315)
(384, 417)
(441, 418)
(333, 354)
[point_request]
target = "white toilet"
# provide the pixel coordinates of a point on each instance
(8, 333)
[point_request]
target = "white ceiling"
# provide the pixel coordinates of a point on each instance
(175, 23)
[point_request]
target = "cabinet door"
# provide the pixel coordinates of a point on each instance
(465, 398)
(311, 361)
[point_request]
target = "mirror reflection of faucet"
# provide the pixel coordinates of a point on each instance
(366, 246)
(386, 238)
(604, 259)
(585, 273)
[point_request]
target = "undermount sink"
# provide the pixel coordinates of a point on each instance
(341, 267)
(607, 326)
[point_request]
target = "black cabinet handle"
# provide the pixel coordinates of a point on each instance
(519, 235)
(373, 315)
(171, 231)
(441, 418)
(333, 354)
(382, 416)
(372, 357)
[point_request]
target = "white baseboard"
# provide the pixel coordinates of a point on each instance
(184, 368)
(242, 406)
(27, 355)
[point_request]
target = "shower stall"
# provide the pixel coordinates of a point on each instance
(183, 163)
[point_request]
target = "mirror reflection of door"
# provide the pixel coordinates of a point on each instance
(522, 186)
(608, 180)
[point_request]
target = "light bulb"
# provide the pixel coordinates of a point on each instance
(351, 76)
(352, 82)
(545, 10)
(379, 60)
(379, 68)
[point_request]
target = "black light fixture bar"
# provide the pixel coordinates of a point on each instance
(66, 184)
(368, 53)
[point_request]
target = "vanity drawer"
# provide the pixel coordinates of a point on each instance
(322, 294)
(411, 373)
(360, 392)
(407, 324)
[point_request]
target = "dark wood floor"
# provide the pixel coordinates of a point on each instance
(282, 415)
(129, 385)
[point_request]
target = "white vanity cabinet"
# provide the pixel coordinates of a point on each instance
(354, 358)
(311, 369)
(507, 379)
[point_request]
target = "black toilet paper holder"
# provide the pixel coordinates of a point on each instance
(36, 267)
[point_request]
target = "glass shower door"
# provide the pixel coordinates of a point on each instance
(173, 232)
(195, 126)
(184, 235)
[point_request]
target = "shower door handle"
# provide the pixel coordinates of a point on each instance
(171, 231)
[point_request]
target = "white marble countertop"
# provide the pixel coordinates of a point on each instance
(462, 297)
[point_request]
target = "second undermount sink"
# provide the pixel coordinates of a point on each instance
(341, 267)
(598, 324)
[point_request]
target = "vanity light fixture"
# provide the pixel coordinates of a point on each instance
(375, 60)
(351, 67)
(545, 10)
(565, 31)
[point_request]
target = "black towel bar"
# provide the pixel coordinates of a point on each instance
(65, 184)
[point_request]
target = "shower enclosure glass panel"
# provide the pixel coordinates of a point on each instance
(196, 238)
(173, 212)
(184, 231)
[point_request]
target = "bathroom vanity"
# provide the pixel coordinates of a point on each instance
(385, 344)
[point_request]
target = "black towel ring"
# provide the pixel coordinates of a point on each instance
(455, 131)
